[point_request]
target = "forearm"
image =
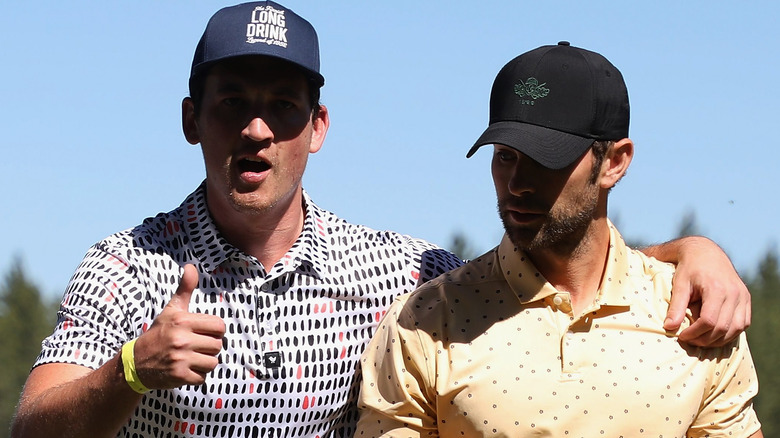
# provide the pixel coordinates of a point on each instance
(94, 403)
(672, 251)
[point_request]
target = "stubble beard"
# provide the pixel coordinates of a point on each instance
(563, 230)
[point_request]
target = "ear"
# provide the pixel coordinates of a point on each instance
(319, 129)
(189, 122)
(616, 163)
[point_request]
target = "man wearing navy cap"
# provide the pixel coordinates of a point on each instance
(559, 330)
(244, 311)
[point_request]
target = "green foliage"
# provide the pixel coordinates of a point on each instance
(764, 339)
(461, 247)
(25, 319)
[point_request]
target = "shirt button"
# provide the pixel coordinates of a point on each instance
(557, 300)
(264, 287)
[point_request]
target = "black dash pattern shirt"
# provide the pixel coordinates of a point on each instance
(295, 332)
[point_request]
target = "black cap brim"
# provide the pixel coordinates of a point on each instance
(550, 148)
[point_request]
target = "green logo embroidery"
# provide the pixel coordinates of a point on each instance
(531, 88)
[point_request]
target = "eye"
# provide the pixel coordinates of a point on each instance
(505, 155)
(284, 104)
(232, 101)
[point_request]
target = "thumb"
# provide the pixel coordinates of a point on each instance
(681, 295)
(189, 279)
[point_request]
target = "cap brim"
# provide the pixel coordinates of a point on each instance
(314, 76)
(550, 148)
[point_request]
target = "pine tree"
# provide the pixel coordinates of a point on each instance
(764, 340)
(25, 319)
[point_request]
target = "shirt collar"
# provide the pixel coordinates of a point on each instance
(307, 253)
(530, 285)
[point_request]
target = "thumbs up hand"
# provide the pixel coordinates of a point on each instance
(180, 347)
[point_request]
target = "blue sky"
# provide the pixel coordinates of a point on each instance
(92, 140)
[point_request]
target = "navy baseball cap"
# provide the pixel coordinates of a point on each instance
(553, 102)
(259, 28)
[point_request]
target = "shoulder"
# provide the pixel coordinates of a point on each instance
(152, 236)
(351, 238)
(458, 286)
(652, 270)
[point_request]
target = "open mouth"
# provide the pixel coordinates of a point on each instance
(253, 166)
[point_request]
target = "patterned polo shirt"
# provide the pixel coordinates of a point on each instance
(295, 331)
(493, 349)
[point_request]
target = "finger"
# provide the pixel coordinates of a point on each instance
(681, 295)
(204, 364)
(207, 345)
(740, 320)
(208, 325)
(697, 334)
(187, 284)
(711, 329)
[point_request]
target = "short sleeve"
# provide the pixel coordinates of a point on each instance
(727, 409)
(94, 320)
(397, 374)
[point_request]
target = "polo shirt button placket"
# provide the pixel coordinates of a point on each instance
(270, 358)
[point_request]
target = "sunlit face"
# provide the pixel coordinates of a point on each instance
(256, 131)
(543, 208)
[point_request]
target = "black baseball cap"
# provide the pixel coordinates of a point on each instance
(259, 28)
(553, 102)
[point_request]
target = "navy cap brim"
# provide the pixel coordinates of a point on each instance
(314, 76)
(551, 148)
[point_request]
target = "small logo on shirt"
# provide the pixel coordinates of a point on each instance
(531, 88)
(267, 25)
(272, 359)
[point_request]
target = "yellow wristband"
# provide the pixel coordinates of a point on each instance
(128, 361)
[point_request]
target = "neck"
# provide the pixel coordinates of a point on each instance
(267, 235)
(577, 269)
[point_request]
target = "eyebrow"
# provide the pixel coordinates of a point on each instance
(278, 88)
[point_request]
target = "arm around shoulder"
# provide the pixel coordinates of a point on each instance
(706, 282)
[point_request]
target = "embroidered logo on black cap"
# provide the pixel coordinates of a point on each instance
(267, 25)
(531, 88)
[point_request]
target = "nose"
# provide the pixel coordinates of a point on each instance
(522, 176)
(257, 130)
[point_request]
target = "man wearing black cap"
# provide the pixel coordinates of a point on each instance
(244, 311)
(559, 330)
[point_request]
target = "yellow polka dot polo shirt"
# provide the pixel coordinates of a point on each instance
(491, 349)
